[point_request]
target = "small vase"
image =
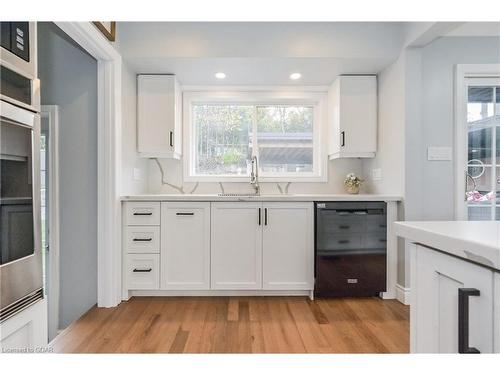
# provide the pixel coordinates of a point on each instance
(352, 189)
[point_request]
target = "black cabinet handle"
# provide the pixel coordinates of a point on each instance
(344, 226)
(342, 138)
(344, 241)
(463, 320)
(184, 213)
(142, 270)
(265, 216)
(142, 239)
(171, 139)
(143, 213)
(260, 213)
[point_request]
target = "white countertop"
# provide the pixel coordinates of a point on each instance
(263, 197)
(477, 241)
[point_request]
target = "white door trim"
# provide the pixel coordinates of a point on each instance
(51, 112)
(462, 73)
(109, 64)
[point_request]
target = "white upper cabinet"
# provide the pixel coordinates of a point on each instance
(352, 117)
(159, 108)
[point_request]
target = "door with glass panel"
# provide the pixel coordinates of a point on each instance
(482, 194)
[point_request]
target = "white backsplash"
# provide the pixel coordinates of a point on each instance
(337, 170)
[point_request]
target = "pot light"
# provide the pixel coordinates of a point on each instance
(295, 75)
(220, 75)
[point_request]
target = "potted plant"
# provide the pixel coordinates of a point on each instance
(352, 183)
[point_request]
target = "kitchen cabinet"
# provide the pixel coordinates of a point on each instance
(437, 282)
(185, 250)
(352, 117)
(288, 254)
(236, 245)
(159, 107)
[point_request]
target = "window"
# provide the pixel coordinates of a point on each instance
(224, 133)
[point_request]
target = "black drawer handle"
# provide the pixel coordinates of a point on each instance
(344, 241)
(342, 139)
(142, 239)
(171, 139)
(382, 240)
(184, 213)
(344, 226)
(143, 213)
(142, 270)
(463, 320)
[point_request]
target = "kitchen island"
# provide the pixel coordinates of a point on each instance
(455, 286)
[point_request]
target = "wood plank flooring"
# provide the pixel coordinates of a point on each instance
(240, 325)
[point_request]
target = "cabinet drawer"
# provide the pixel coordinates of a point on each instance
(142, 271)
(142, 213)
(142, 239)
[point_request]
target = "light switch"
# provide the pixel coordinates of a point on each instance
(376, 174)
(439, 153)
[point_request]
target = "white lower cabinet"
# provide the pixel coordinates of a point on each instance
(436, 324)
(288, 253)
(185, 250)
(236, 245)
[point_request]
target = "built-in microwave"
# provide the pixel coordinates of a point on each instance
(18, 69)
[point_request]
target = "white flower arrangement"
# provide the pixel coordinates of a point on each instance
(352, 181)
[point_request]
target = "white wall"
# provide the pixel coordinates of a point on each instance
(130, 159)
(68, 78)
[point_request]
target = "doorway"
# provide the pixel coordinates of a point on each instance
(49, 191)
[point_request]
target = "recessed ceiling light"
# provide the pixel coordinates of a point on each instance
(220, 75)
(295, 75)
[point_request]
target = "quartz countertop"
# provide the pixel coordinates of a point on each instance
(263, 197)
(476, 241)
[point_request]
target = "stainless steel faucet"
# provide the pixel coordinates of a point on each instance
(254, 175)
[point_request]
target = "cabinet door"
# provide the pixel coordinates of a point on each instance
(185, 245)
(236, 251)
(158, 116)
(437, 278)
(288, 246)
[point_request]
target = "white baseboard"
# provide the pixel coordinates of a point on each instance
(403, 294)
(215, 293)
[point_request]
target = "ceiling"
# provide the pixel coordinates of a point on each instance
(256, 53)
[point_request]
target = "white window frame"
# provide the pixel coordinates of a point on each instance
(463, 74)
(258, 98)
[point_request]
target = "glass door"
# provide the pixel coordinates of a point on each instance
(483, 149)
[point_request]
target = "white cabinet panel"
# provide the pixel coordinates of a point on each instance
(142, 239)
(142, 271)
(27, 329)
(159, 107)
(352, 117)
(142, 213)
(236, 245)
(185, 252)
(436, 281)
(288, 246)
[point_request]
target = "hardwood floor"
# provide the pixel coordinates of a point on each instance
(240, 325)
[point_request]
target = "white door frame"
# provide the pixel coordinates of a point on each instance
(109, 64)
(51, 112)
(462, 73)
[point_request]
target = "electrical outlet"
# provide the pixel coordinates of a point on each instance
(137, 175)
(377, 174)
(439, 153)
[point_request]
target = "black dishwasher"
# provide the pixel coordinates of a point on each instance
(350, 248)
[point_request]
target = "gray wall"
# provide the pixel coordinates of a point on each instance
(68, 78)
(437, 122)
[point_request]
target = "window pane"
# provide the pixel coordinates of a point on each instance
(223, 145)
(285, 139)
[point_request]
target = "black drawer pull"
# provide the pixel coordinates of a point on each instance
(171, 140)
(143, 213)
(184, 213)
(142, 270)
(142, 239)
(344, 226)
(382, 240)
(463, 320)
(344, 241)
